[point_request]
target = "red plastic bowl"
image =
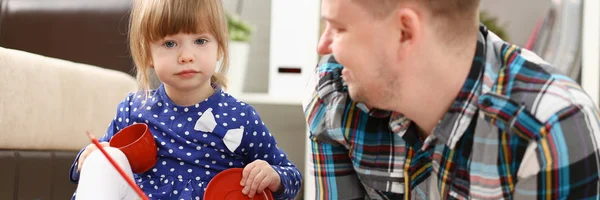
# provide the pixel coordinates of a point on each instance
(226, 186)
(138, 145)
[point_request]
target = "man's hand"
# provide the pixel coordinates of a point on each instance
(257, 176)
(88, 150)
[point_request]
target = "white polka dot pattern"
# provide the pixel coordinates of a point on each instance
(190, 157)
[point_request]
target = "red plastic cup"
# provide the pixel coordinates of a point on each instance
(138, 145)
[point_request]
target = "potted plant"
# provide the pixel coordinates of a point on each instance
(239, 46)
(493, 25)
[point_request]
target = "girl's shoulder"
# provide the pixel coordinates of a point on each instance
(231, 107)
(139, 99)
(142, 96)
(229, 102)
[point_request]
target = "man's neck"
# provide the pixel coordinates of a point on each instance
(440, 87)
(189, 97)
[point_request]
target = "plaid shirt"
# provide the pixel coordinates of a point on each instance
(516, 130)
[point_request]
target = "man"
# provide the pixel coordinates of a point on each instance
(488, 120)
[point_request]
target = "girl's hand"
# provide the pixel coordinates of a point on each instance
(88, 150)
(257, 176)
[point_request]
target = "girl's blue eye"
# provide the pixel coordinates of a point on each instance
(201, 41)
(170, 44)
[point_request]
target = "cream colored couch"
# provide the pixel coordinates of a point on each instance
(46, 106)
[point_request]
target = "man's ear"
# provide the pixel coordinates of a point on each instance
(409, 24)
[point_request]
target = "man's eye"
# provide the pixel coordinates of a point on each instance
(339, 30)
(201, 41)
(169, 44)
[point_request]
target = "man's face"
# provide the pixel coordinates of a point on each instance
(366, 47)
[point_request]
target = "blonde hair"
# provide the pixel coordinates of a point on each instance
(152, 20)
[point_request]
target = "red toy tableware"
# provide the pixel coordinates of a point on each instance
(119, 169)
(226, 185)
(138, 145)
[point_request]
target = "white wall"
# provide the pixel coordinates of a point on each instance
(520, 16)
(591, 49)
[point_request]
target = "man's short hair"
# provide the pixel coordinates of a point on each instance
(439, 8)
(452, 17)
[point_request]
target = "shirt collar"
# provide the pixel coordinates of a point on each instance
(455, 122)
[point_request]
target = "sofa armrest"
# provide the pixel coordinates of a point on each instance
(48, 103)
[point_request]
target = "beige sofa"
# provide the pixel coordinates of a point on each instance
(46, 106)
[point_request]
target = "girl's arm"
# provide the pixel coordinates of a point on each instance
(120, 121)
(262, 146)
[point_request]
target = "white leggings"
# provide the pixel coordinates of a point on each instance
(100, 180)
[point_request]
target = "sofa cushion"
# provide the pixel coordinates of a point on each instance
(48, 103)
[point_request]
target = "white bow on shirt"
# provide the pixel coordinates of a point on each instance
(207, 123)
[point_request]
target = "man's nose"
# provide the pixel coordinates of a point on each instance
(325, 41)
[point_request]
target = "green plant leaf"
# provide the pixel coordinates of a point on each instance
(239, 30)
(493, 25)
